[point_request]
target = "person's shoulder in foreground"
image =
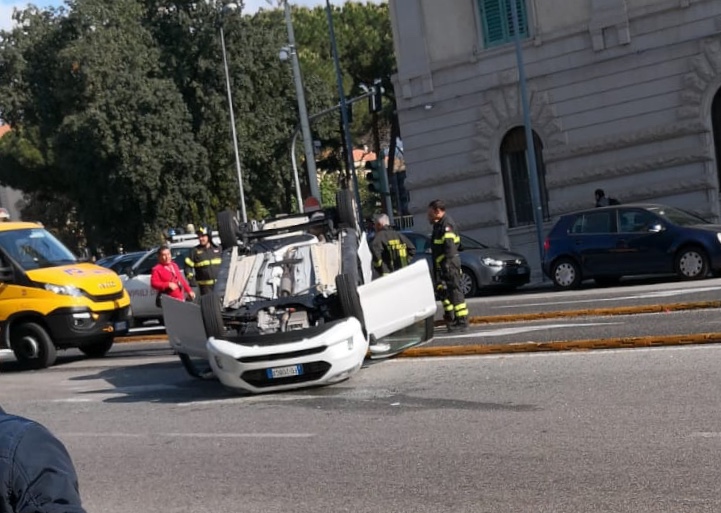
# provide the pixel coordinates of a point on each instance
(36, 472)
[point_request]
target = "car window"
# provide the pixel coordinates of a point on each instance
(468, 243)
(593, 222)
(145, 266)
(419, 241)
(634, 221)
(678, 216)
(179, 255)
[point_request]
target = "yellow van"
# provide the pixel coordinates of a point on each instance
(49, 300)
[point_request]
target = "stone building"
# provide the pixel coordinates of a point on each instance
(623, 95)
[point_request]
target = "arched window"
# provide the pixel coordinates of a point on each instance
(716, 126)
(516, 177)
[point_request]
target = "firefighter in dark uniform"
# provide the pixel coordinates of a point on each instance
(391, 250)
(203, 262)
(447, 266)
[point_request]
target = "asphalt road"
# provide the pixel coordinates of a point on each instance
(632, 431)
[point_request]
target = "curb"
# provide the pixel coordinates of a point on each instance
(528, 347)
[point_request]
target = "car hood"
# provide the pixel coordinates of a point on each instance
(495, 253)
(92, 278)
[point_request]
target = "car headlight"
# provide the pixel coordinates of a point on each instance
(492, 262)
(63, 290)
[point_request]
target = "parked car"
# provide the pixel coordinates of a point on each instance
(296, 305)
(632, 239)
(136, 278)
(483, 267)
(119, 263)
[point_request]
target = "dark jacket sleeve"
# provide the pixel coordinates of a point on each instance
(43, 475)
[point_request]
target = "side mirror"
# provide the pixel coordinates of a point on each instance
(128, 271)
(655, 228)
(428, 251)
(7, 275)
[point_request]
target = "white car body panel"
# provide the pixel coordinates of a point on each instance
(397, 300)
(343, 347)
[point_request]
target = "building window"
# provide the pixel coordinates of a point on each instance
(716, 126)
(497, 21)
(516, 178)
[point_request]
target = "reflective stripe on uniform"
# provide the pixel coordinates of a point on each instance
(206, 282)
(461, 310)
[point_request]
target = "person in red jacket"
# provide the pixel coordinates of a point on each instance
(167, 278)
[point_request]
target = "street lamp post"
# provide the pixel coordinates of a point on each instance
(228, 8)
(302, 110)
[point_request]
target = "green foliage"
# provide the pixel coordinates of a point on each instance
(120, 114)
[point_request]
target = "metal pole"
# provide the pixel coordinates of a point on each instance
(295, 172)
(232, 126)
(343, 111)
(530, 146)
(302, 111)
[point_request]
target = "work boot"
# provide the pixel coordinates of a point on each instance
(448, 319)
(460, 324)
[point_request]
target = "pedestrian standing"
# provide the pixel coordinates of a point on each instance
(36, 472)
(166, 278)
(202, 265)
(447, 266)
(391, 250)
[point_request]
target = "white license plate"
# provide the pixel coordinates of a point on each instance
(284, 372)
(121, 326)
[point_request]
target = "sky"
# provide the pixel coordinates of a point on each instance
(251, 6)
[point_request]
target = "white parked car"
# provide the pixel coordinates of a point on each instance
(296, 306)
(136, 279)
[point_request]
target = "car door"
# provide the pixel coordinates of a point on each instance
(642, 248)
(592, 237)
(397, 300)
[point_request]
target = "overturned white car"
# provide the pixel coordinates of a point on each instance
(296, 305)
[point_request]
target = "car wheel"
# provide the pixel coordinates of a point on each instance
(344, 205)
(33, 347)
(212, 315)
(347, 289)
(566, 274)
(691, 263)
(97, 349)
(228, 229)
(349, 254)
(469, 286)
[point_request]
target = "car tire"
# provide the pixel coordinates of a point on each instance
(349, 254)
(469, 284)
(98, 348)
(566, 274)
(33, 347)
(691, 263)
(346, 211)
(212, 314)
(347, 288)
(228, 229)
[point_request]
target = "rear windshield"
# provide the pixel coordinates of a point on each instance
(34, 248)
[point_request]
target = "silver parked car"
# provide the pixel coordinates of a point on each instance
(483, 267)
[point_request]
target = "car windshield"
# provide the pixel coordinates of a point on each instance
(677, 216)
(468, 243)
(33, 248)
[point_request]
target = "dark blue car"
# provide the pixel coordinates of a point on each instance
(635, 239)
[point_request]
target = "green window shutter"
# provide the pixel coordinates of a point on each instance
(497, 20)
